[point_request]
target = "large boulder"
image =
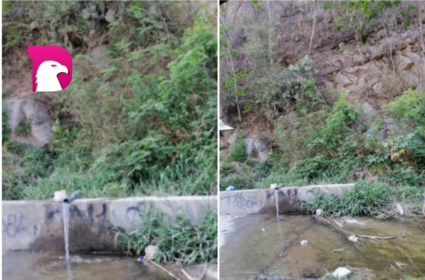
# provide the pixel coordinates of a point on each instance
(378, 88)
(260, 146)
(410, 79)
(36, 114)
(403, 63)
(342, 80)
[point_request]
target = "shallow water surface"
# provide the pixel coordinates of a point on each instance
(264, 245)
(37, 266)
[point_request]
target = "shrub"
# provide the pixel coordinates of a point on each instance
(238, 151)
(409, 110)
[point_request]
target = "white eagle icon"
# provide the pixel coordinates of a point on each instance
(47, 76)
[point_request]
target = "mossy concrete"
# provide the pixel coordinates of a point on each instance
(262, 201)
(38, 225)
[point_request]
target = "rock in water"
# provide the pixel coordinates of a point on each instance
(353, 238)
(341, 272)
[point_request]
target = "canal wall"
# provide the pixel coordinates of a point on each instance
(262, 201)
(38, 225)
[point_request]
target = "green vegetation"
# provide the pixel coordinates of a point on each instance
(360, 15)
(238, 152)
(226, 168)
(363, 200)
(177, 241)
(24, 128)
(319, 134)
(139, 120)
(4, 127)
(330, 276)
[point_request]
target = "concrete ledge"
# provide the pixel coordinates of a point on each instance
(262, 201)
(38, 225)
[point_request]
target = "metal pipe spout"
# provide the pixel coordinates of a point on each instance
(72, 196)
(280, 186)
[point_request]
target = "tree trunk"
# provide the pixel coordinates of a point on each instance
(233, 72)
(270, 33)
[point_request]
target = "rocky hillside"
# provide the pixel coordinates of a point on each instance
(327, 87)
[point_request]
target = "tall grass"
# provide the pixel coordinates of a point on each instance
(176, 240)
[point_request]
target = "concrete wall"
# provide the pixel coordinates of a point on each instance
(263, 201)
(38, 225)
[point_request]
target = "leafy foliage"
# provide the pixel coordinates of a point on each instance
(410, 108)
(359, 14)
(4, 128)
(176, 241)
(238, 152)
(365, 199)
(226, 168)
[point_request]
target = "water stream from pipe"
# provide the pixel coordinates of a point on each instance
(276, 194)
(66, 228)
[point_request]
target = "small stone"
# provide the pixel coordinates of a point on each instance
(319, 212)
(368, 108)
(34, 25)
(341, 272)
(344, 81)
(150, 252)
(304, 242)
(353, 238)
(109, 17)
(59, 196)
(378, 88)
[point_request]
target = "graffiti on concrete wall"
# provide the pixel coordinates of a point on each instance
(13, 224)
(132, 213)
(96, 215)
(240, 200)
(290, 194)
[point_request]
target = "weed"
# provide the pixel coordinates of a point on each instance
(332, 277)
(238, 151)
(176, 240)
(365, 199)
(254, 153)
(24, 128)
(226, 168)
